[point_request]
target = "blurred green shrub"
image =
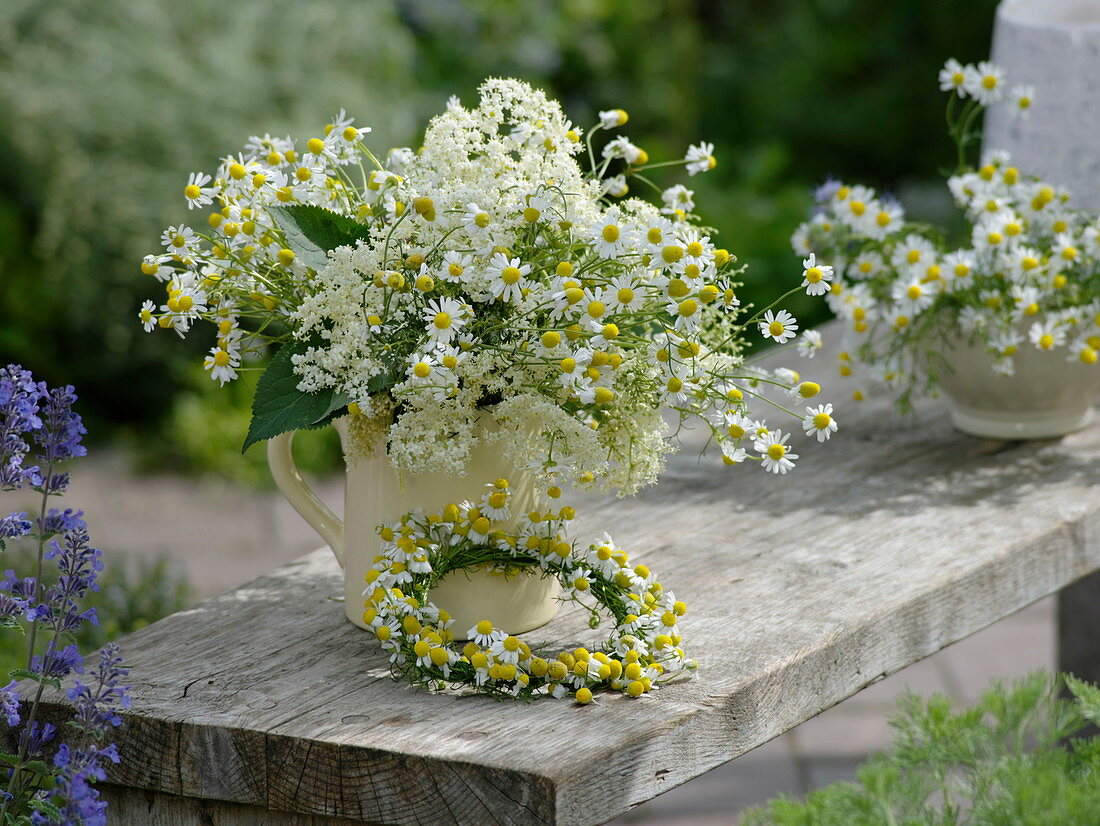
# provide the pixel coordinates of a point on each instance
(109, 105)
(134, 592)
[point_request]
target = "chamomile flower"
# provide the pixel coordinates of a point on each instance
(197, 193)
(454, 266)
(508, 276)
(615, 186)
(985, 83)
(815, 276)
(678, 200)
(148, 320)
(609, 237)
(1022, 97)
(222, 364)
(819, 422)
(953, 78)
(775, 454)
(914, 297)
(779, 326)
(700, 158)
(484, 635)
(446, 317)
(620, 147)
(1046, 335)
(613, 118)
(809, 343)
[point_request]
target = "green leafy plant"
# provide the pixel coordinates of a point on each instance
(1016, 758)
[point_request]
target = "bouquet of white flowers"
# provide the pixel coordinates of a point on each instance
(483, 275)
(1027, 276)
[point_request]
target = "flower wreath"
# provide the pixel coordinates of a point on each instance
(420, 549)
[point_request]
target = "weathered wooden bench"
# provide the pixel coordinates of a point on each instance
(264, 706)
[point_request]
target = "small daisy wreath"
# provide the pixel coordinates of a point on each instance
(416, 552)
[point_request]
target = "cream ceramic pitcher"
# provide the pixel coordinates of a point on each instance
(375, 495)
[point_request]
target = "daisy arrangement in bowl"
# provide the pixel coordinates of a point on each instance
(921, 312)
(504, 270)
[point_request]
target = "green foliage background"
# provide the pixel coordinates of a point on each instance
(108, 105)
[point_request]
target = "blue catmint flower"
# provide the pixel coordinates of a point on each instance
(59, 437)
(19, 416)
(14, 525)
(61, 521)
(97, 703)
(58, 662)
(96, 706)
(9, 703)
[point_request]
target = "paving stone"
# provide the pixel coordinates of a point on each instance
(822, 772)
(1007, 649)
(842, 732)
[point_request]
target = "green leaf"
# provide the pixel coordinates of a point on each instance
(47, 808)
(312, 232)
(279, 406)
(12, 623)
(1088, 698)
(26, 674)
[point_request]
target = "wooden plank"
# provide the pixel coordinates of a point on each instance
(891, 543)
(135, 807)
(1079, 628)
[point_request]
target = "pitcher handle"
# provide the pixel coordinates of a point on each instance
(280, 458)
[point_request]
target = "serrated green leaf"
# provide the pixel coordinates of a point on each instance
(47, 808)
(312, 231)
(26, 674)
(12, 623)
(1088, 698)
(279, 406)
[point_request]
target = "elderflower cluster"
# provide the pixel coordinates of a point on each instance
(494, 280)
(1029, 275)
(642, 652)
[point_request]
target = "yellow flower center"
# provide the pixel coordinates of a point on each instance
(422, 370)
(221, 358)
(989, 82)
(777, 452)
(914, 292)
(857, 207)
(883, 219)
(191, 192)
(482, 219)
(1046, 341)
(610, 233)
(688, 307)
(814, 275)
(776, 329)
(442, 321)
(913, 256)
(822, 421)
(509, 275)
(625, 295)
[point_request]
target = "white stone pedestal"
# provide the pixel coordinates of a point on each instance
(1054, 46)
